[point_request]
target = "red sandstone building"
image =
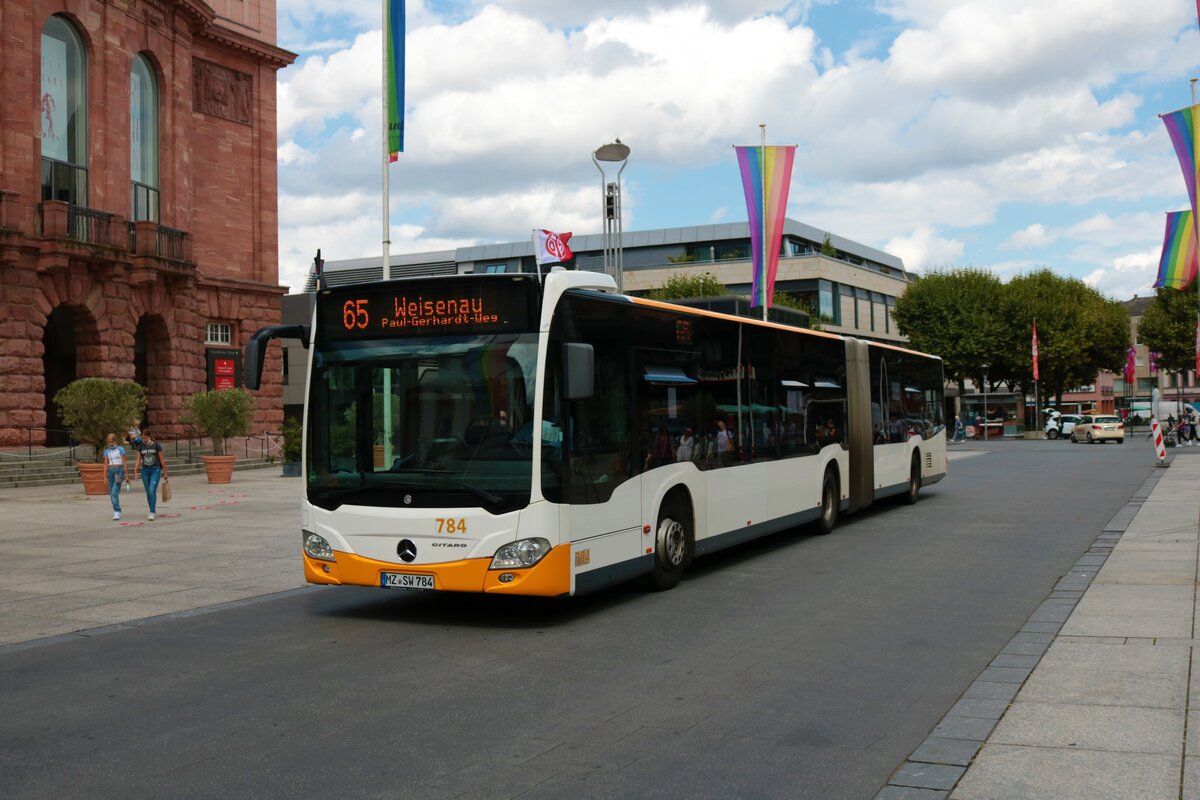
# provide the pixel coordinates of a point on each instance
(138, 234)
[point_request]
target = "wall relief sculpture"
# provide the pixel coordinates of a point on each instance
(221, 92)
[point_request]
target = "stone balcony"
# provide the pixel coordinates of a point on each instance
(73, 234)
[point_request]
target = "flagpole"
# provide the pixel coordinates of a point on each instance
(762, 251)
(387, 270)
(1196, 225)
(1037, 408)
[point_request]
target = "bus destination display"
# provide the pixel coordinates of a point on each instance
(428, 308)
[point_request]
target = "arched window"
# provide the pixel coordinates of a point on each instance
(63, 109)
(143, 139)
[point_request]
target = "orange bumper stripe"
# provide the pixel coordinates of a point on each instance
(550, 577)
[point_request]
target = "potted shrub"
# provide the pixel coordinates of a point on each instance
(219, 414)
(291, 448)
(94, 408)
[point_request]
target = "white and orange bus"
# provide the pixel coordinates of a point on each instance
(510, 434)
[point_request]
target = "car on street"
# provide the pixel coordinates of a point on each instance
(1098, 428)
(1061, 425)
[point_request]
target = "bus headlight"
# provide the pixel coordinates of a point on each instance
(316, 547)
(520, 554)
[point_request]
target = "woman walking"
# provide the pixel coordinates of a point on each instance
(114, 458)
(152, 466)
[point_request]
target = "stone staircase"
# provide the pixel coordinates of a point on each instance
(52, 470)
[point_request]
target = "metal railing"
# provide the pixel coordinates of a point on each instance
(44, 452)
(89, 225)
(170, 243)
(188, 447)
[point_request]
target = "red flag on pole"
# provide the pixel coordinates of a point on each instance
(1129, 365)
(1035, 367)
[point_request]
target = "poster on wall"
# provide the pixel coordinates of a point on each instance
(224, 368)
(54, 98)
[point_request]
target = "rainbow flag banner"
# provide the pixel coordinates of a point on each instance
(395, 77)
(766, 176)
(1177, 267)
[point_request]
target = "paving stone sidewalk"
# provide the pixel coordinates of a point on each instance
(69, 567)
(1106, 712)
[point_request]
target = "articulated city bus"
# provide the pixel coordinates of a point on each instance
(510, 434)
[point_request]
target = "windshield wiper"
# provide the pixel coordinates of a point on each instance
(482, 494)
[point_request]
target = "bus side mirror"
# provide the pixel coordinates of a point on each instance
(256, 349)
(578, 363)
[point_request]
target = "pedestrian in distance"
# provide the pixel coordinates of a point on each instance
(152, 466)
(687, 446)
(133, 438)
(960, 431)
(724, 445)
(664, 449)
(114, 459)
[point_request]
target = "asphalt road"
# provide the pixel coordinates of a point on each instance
(793, 667)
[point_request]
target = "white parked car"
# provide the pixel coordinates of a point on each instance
(1061, 425)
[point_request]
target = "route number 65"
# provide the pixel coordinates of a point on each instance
(354, 314)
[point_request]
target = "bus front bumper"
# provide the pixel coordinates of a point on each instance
(550, 577)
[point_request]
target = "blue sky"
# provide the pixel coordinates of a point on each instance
(1007, 134)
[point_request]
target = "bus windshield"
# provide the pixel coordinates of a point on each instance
(422, 422)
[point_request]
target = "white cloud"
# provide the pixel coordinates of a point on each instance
(924, 249)
(498, 216)
(985, 47)
(1036, 235)
(977, 105)
(290, 153)
(1130, 274)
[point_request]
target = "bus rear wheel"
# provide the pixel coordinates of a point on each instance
(829, 503)
(672, 540)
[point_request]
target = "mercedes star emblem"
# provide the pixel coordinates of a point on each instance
(408, 499)
(406, 550)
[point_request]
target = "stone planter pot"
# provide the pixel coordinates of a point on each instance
(219, 469)
(291, 469)
(94, 476)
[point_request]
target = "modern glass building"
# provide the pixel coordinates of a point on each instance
(851, 287)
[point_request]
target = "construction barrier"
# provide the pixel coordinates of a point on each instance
(1160, 448)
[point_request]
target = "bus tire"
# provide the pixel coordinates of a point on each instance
(672, 543)
(830, 501)
(914, 480)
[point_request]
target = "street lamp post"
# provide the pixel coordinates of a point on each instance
(610, 205)
(985, 390)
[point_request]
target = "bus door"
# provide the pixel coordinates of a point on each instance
(590, 445)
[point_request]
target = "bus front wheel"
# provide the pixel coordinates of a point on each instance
(672, 539)
(914, 481)
(829, 503)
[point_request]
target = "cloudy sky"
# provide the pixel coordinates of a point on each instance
(1007, 134)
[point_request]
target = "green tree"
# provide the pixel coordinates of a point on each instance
(681, 286)
(220, 414)
(957, 314)
(1169, 328)
(827, 248)
(788, 300)
(95, 407)
(1080, 332)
